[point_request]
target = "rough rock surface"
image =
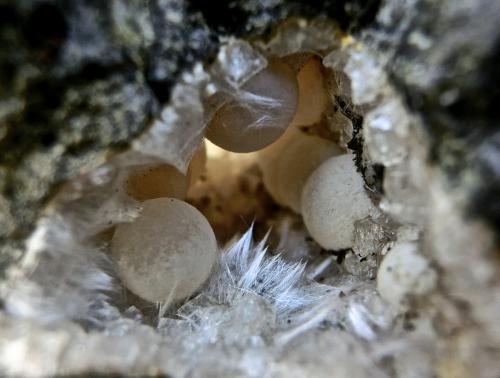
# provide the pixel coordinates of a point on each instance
(80, 80)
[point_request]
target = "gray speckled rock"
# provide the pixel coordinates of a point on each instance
(443, 56)
(80, 79)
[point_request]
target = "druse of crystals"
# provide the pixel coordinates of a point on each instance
(234, 329)
(359, 65)
(405, 185)
(371, 235)
(364, 268)
(315, 35)
(178, 132)
(385, 130)
(238, 61)
(167, 252)
(334, 198)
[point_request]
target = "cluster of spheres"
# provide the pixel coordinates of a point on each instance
(169, 250)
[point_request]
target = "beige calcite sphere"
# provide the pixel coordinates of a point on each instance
(287, 164)
(404, 272)
(334, 198)
(167, 252)
(269, 159)
(149, 182)
(313, 95)
(198, 164)
(260, 115)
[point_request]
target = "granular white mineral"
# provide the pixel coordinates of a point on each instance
(333, 199)
(167, 252)
(404, 272)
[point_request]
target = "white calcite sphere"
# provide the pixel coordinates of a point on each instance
(404, 272)
(167, 252)
(334, 198)
(260, 115)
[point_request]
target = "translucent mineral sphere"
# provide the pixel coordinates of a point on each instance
(334, 198)
(299, 160)
(197, 166)
(313, 96)
(261, 114)
(155, 182)
(288, 163)
(167, 252)
(269, 163)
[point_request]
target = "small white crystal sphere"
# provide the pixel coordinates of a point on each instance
(334, 198)
(167, 252)
(404, 272)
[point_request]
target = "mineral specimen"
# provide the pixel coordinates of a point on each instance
(334, 198)
(261, 112)
(89, 90)
(167, 252)
(403, 273)
(158, 181)
(287, 164)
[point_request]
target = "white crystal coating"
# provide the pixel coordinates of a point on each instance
(385, 132)
(239, 61)
(167, 252)
(332, 200)
(404, 272)
(359, 66)
(175, 136)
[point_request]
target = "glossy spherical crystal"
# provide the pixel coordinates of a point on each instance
(260, 113)
(167, 252)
